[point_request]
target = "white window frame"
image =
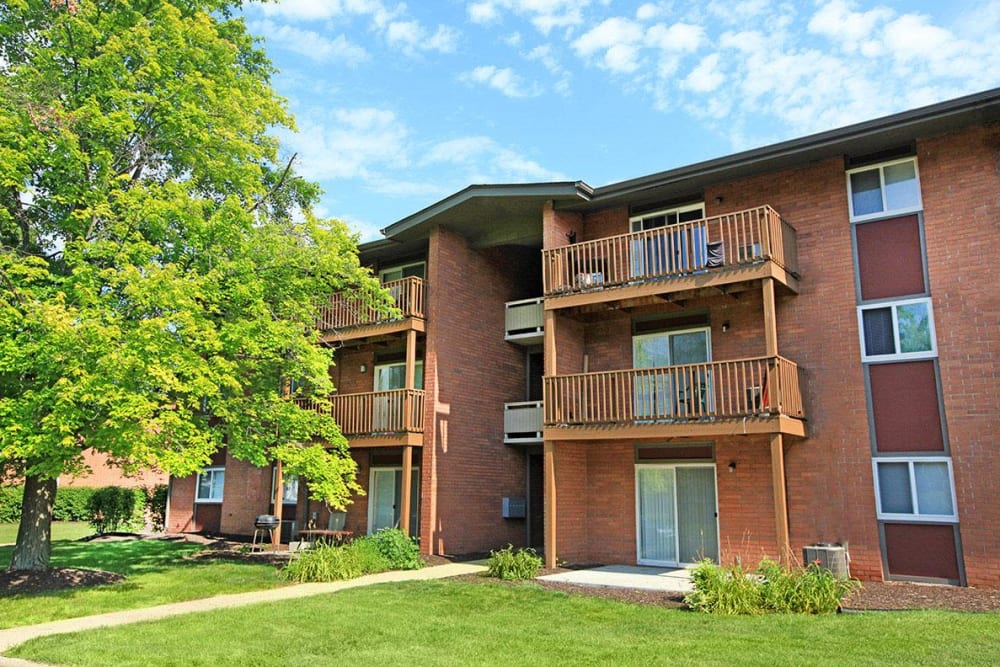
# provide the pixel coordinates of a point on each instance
(400, 267)
(914, 499)
(211, 472)
(635, 221)
(893, 305)
(286, 481)
(419, 363)
(885, 212)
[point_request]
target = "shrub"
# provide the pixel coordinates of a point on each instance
(10, 503)
(114, 508)
(325, 562)
(156, 506)
(512, 565)
(72, 503)
(397, 547)
(773, 588)
(724, 590)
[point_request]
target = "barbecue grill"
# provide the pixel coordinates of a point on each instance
(263, 525)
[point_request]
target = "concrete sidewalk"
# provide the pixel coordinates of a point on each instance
(669, 580)
(14, 636)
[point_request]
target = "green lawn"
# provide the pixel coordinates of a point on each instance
(157, 573)
(61, 530)
(455, 623)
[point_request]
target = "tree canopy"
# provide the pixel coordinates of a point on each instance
(161, 270)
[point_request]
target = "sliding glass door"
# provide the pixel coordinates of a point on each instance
(676, 514)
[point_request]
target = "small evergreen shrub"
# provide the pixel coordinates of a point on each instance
(773, 588)
(512, 565)
(113, 508)
(397, 547)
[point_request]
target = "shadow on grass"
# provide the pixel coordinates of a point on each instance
(124, 557)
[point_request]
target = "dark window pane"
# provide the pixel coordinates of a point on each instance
(878, 331)
(866, 192)
(894, 488)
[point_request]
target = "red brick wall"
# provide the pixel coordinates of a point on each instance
(829, 476)
(572, 499)
(247, 493)
(607, 222)
(470, 372)
(346, 373)
(959, 180)
(556, 226)
(102, 473)
(180, 512)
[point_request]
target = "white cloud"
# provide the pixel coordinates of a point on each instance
(852, 30)
(501, 79)
(310, 44)
(617, 40)
(411, 37)
(679, 37)
(543, 14)
(485, 161)
(312, 10)
(706, 77)
(545, 55)
(349, 143)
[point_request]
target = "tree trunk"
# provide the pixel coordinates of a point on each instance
(34, 535)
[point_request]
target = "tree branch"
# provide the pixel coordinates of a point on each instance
(277, 186)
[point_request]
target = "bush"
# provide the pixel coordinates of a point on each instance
(773, 588)
(10, 503)
(325, 562)
(113, 508)
(156, 506)
(724, 590)
(397, 547)
(512, 565)
(72, 503)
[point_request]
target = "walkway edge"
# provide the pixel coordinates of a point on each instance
(14, 636)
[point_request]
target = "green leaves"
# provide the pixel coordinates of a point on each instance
(160, 269)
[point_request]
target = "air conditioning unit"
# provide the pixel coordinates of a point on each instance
(833, 557)
(514, 508)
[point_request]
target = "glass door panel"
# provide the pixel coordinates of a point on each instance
(656, 516)
(668, 394)
(697, 531)
(383, 499)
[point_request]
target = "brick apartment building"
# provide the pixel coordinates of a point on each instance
(737, 358)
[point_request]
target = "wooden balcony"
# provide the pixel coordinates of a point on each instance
(378, 418)
(746, 396)
(353, 316)
(706, 254)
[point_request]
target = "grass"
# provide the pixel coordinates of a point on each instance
(157, 573)
(61, 530)
(456, 623)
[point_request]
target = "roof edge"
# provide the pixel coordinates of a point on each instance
(786, 148)
(557, 189)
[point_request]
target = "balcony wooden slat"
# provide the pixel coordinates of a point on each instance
(765, 387)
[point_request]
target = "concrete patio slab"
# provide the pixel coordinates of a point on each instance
(671, 580)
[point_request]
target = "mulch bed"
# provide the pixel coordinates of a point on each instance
(875, 596)
(27, 582)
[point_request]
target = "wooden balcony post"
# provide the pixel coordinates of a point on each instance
(279, 496)
(780, 498)
(406, 488)
(770, 319)
(549, 465)
(410, 379)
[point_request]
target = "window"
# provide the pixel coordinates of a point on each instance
(898, 330)
(670, 216)
(210, 483)
(915, 488)
(290, 487)
(403, 271)
(892, 187)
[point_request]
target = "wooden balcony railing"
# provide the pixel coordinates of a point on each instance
(744, 237)
(346, 311)
(377, 412)
(763, 387)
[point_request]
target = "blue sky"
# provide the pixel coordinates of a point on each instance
(399, 105)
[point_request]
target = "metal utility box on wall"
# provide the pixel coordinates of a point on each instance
(833, 557)
(514, 508)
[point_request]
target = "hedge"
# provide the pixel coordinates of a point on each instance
(73, 503)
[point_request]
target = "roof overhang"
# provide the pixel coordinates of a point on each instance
(491, 214)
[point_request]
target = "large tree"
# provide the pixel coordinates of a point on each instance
(160, 270)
